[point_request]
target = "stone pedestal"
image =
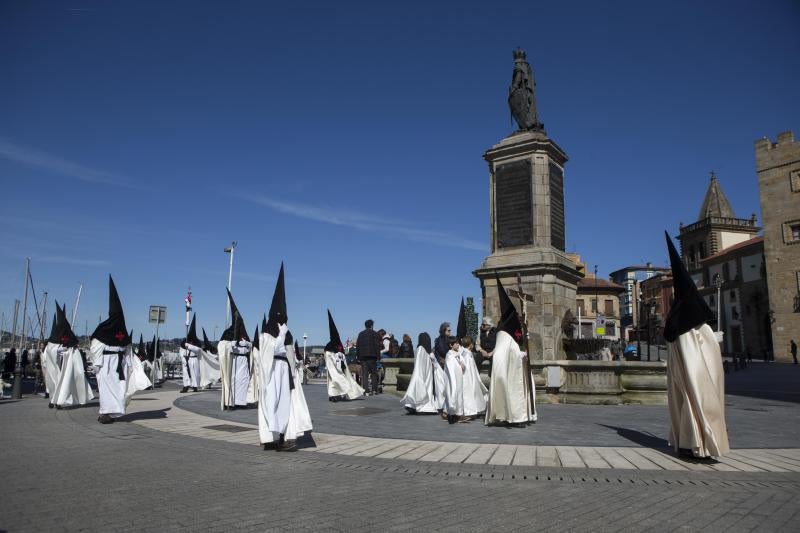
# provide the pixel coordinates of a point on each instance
(527, 237)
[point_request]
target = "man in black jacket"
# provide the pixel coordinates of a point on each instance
(368, 347)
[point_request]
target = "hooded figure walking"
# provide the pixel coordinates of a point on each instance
(341, 384)
(112, 360)
(282, 410)
(71, 386)
(234, 360)
(695, 377)
(190, 358)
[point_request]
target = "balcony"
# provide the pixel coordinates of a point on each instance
(728, 222)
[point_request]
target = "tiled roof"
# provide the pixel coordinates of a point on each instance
(729, 249)
(599, 283)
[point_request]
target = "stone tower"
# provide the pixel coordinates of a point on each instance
(778, 171)
(716, 228)
(527, 224)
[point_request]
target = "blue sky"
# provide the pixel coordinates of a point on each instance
(140, 138)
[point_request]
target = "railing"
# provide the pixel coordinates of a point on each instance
(723, 221)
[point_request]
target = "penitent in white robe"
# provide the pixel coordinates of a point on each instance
(190, 365)
(509, 400)
(72, 387)
(454, 390)
(421, 395)
(113, 391)
(281, 410)
(226, 372)
(252, 385)
(341, 382)
(51, 367)
(209, 368)
(475, 392)
(696, 394)
(240, 372)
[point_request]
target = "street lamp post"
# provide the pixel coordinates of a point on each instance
(305, 361)
(718, 285)
(229, 250)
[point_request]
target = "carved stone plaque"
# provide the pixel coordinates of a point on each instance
(514, 208)
(557, 238)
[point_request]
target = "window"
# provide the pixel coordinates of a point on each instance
(733, 296)
(794, 179)
(791, 232)
(611, 329)
(582, 307)
(609, 309)
(594, 305)
(734, 313)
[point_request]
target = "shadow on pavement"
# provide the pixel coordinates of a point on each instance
(306, 441)
(145, 415)
(647, 440)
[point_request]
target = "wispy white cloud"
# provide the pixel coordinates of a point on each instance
(364, 222)
(60, 259)
(53, 163)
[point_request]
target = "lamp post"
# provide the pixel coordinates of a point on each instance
(718, 285)
(650, 306)
(229, 250)
(305, 362)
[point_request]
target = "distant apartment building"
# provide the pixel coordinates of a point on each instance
(778, 171)
(630, 279)
(598, 297)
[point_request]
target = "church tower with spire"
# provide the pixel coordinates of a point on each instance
(716, 228)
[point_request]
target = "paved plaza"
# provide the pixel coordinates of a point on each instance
(175, 462)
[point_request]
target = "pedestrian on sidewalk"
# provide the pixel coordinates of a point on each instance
(793, 349)
(368, 348)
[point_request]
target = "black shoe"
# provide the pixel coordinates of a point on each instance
(58, 407)
(194, 389)
(288, 446)
(185, 389)
(105, 419)
(270, 445)
(47, 394)
(50, 405)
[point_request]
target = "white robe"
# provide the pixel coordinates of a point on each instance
(50, 367)
(147, 367)
(508, 394)
(274, 417)
(190, 365)
(252, 385)
(696, 394)
(475, 392)
(137, 378)
(72, 388)
(423, 388)
(226, 372)
(240, 372)
(209, 368)
(454, 391)
(341, 382)
(112, 390)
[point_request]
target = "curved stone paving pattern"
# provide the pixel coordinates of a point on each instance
(183, 422)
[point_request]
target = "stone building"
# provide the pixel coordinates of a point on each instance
(741, 300)
(778, 171)
(716, 228)
(598, 296)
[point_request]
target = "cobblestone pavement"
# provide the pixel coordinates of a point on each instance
(71, 473)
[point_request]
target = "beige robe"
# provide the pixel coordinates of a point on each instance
(696, 394)
(508, 396)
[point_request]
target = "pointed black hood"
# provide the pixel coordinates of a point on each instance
(236, 330)
(335, 343)
(141, 351)
(256, 343)
(289, 340)
(509, 319)
(264, 323)
(277, 310)
(62, 332)
(191, 337)
(461, 327)
(112, 331)
(207, 346)
(424, 340)
(152, 350)
(688, 310)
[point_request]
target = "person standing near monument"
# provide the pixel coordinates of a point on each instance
(454, 369)
(440, 345)
(474, 390)
(425, 393)
(695, 377)
(234, 350)
(511, 394)
(341, 385)
(793, 350)
(486, 342)
(368, 348)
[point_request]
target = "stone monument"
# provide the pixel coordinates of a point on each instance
(527, 223)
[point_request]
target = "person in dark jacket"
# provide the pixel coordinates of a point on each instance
(406, 347)
(368, 348)
(440, 345)
(487, 340)
(9, 363)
